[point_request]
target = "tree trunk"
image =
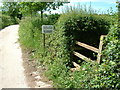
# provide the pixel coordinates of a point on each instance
(30, 11)
(41, 16)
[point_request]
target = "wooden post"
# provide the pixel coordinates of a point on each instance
(43, 33)
(100, 48)
(44, 42)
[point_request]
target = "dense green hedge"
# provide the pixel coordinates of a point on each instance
(52, 19)
(6, 21)
(109, 71)
(58, 47)
(69, 28)
(87, 29)
(31, 33)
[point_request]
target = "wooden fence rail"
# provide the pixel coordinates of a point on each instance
(87, 46)
(82, 57)
(92, 49)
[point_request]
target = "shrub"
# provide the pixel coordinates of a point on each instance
(6, 21)
(70, 29)
(60, 44)
(31, 37)
(59, 48)
(109, 71)
(27, 32)
(52, 19)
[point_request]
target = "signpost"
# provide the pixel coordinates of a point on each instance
(46, 29)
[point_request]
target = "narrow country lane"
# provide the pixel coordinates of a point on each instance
(11, 68)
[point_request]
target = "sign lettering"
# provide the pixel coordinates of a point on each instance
(47, 28)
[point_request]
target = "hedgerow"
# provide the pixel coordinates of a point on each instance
(6, 21)
(52, 19)
(60, 44)
(59, 47)
(30, 32)
(109, 72)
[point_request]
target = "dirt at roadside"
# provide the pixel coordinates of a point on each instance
(34, 75)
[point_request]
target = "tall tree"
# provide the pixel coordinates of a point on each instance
(16, 9)
(30, 7)
(12, 9)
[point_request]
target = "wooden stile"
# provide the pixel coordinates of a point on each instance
(87, 46)
(100, 49)
(82, 57)
(92, 49)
